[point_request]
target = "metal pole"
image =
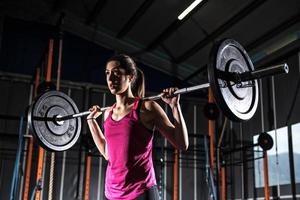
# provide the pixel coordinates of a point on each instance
(63, 167)
(275, 129)
(100, 178)
(25, 147)
(195, 153)
(165, 165)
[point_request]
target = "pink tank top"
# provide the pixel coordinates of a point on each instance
(130, 168)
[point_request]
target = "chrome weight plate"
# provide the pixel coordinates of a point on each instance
(238, 101)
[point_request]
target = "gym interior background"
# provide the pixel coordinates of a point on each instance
(171, 52)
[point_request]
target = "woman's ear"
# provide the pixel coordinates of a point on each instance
(130, 77)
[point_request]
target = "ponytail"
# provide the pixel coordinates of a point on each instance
(138, 86)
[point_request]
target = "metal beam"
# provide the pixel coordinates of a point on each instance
(172, 27)
(275, 31)
(135, 17)
(97, 8)
(227, 25)
(279, 55)
(195, 73)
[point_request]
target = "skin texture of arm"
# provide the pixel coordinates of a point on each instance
(96, 132)
(176, 133)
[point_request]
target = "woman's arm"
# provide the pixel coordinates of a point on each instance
(96, 132)
(175, 132)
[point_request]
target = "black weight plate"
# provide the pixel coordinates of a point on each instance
(54, 136)
(237, 103)
(265, 141)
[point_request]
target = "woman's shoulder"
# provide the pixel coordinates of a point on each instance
(150, 105)
(107, 112)
(147, 104)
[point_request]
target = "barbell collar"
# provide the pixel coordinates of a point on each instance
(265, 72)
(253, 75)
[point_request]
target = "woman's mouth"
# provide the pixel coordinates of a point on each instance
(113, 86)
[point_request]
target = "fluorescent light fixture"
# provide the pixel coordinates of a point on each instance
(189, 9)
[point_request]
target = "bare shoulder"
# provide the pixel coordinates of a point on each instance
(106, 113)
(150, 106)
(153, 109)
(148, 113)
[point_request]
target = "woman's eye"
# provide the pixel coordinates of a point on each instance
(116, 73)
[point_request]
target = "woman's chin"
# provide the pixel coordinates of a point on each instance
(114, 92)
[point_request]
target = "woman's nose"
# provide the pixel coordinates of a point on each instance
(110, 77)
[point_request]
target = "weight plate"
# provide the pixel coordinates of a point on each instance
(237, 101)
(52, 135)
(265, 141)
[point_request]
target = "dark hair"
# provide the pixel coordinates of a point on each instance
(127, 63)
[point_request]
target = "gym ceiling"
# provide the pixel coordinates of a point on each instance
(151, 32)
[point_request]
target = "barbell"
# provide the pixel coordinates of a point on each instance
(54, 118)
(264, 141)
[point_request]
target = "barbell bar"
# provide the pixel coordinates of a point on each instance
(54, 117)
(228, 76)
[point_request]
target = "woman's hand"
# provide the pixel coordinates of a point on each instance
(95, 112)
(169, 97)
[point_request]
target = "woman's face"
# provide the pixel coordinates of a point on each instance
(117, 80)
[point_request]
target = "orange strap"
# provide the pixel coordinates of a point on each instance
(87, 177)
(175, 175)
(30, 146)
(223, 183)
(211, 125)
(49, 61)
(266, 177)
(41, 150)
(36, 81)
(39, 171)
(28, 170)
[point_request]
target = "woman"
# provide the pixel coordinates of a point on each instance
(129, 126)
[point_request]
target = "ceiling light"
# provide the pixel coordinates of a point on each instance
(189, 9)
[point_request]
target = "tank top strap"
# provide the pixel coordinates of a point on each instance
(136, 104)
(111, 110)
(135, 109)
(133, 113)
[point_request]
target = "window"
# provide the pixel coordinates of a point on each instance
(278, 163)
(296, 150)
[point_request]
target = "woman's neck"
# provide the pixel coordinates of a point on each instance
(124, 100)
